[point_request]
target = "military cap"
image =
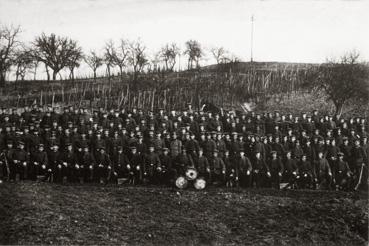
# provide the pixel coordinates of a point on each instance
(340, 154)
(215, 151)
(40, 145)
(273, 152)
(165, 149)
(133, 147)
(20, 142)
(9, 142)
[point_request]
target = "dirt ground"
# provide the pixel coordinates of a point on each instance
(39, 213)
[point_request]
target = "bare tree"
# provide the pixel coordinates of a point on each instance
(194, 52)
(137, 57)
(153, 65)
(120, 55)
(343, 81)
(168, 54)
(24, 60)
(94, 61)
(109, 56)
(220, 55)
(55, 51)
(74, 61)
(8, 44)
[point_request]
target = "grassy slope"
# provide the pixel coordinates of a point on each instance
(34, 213)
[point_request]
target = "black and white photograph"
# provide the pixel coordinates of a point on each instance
(184, 122)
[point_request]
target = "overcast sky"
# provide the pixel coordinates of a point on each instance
(285, 30)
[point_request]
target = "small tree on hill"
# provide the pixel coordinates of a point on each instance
(94, 61)
(220, 55)
(9, 41)
(194, 53)
(55, 51)
(137, 57)
(24, 61)
(169, 54)
(343, 81)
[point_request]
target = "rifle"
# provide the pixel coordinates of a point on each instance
(360, 177)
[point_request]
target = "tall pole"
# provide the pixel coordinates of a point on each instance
(252, 35)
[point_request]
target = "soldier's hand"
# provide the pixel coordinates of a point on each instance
(236, 178)
(91, 167)
(305, 175)
(128, 167)
(59, 166)
(158, 168)
(248, 172)
(145, 173)
(77, 166)
(65, 164)
(43, 167)
(268, 173)
(223, 171)
(138, 167)
(49, 170)
(294, 173)
(280, 174)
(24, 163)
(109, 167)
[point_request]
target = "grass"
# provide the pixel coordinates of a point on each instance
(39, 213)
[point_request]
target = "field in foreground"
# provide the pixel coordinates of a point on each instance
(38, 213)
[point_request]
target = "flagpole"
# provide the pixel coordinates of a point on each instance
(252, 36)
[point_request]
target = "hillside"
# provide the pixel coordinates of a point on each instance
(266, 66)
(39, 213)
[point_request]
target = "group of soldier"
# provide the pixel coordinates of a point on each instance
(309, 150)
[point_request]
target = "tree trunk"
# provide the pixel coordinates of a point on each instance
(108, 71)
(55, 73)
(71, 76)
(94, 74)
(47, 73)
(121, 73)
(35, 72)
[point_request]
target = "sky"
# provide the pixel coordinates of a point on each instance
(284, 30)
